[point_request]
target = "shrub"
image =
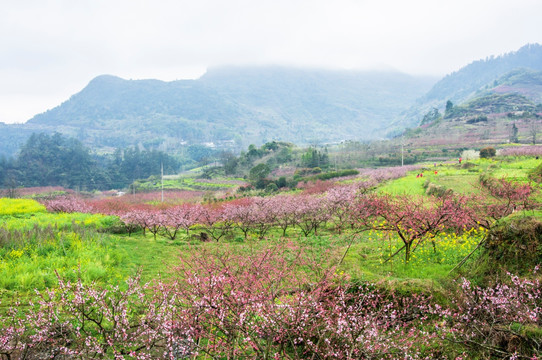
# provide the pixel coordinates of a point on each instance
(470, 155)
(281, 182)
(333, 174)
(516, 245)
(271, 187)
(488, 152)
(498, 321)
(536, 174)
(437, 190)
(478, 119)
(468, 165)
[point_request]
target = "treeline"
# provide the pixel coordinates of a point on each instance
(55, 160)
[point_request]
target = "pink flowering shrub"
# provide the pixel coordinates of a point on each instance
(224, 305)
(263, 306)
(68, 204)
(533, 150)
(79, 321)
(502, 198)
(502, 320)
(389, 173)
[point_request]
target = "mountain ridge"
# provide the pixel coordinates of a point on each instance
(467, 82)
(233, 105)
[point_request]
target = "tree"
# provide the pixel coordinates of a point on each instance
(432, 115)
(337, 202)
(449, 107)
(502, 198)
(56, 160)
(310, 213)
(257, 175)
(201, 153)
(314, 158)
(253, 152)
(413, 219)
(284, 155)
(514, 134)
(533, 130)
(229, 162)
(216, 221)
(10, 183)
(488, 152)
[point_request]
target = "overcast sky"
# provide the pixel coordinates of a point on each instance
(50, 50)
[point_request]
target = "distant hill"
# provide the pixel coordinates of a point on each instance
(230, 107)
(522, 81)
(473, 79)
(508, 110)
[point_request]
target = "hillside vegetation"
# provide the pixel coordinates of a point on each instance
(229, 107)
(476, 77)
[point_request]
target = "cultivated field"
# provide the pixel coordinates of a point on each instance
(387, 264)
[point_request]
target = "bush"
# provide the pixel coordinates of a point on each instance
(468, 165)
(307, 171)
(488, 152)
(536, 174)
(271, 187)
(470, 155)
(478, 119)
(332, 175)
(437, 190)
(516, 246)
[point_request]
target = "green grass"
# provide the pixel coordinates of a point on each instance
(152, 257)
(462, 179)
(409, 185)
(516, 169)
(32, 262)
(34, 244)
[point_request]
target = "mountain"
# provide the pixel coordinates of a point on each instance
(230, 107)
(522, 81)
(472, 80)
(508, 110)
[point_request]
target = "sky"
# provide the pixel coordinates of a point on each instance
(51, 49)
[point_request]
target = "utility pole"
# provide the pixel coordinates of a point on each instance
(162, 181)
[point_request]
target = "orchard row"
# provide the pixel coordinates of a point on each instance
(355, 207)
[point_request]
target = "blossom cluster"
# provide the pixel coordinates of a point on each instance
(223, 304)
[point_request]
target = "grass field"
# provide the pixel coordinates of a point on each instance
(462, 178)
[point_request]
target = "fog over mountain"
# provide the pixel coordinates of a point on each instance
(230, 107)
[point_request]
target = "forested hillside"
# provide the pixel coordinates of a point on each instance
(229, 107)
(471, 80)
(509, 110)
(54, 160)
